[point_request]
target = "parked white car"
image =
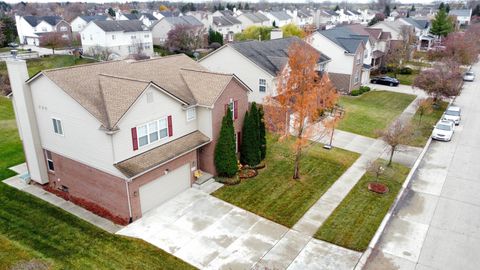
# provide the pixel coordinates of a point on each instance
(469, 76)
(443, 131)
(454, 114)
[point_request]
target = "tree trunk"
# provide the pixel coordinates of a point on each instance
(296, 169)
(392, 151)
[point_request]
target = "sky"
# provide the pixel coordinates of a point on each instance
(285, 1)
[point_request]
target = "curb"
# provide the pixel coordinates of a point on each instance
(386, 220)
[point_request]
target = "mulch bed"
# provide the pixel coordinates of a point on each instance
(247, 173)
(377, 187)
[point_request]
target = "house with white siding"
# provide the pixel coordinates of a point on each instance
(31, 28)
(253, 19)
(81, 21)
(123, 136)
(117, 38)
(161, 28)
(278, 18)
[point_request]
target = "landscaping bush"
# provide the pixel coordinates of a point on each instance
(225, 157)
(355, 92)
(359, 91)
(405, 71)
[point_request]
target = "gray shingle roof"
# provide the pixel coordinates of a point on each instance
(344, 37)
(420, 24)
(225, 20)
(461, 12)
(94, 18)
(35, 20)
(124, 26)
(280, 15)
(131, 16)
(423, 23)
(188, 19)
(149, 16)
(329, 12)
(256, 17)
(270, 55)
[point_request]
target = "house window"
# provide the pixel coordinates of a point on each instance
(147, 36)
(63, 28)
(358, 60)
(262, 85)
(191, 114)
(231, 107)
(57, 126)
(113, 37)
(91, 37)
(357, 76)
(152, 132)
(134, 37)
(44, 29)
(50, 164)
(83, 37)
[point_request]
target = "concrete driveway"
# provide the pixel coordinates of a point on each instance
(212, 234)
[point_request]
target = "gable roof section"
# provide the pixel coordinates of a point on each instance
(270, 55)
(256, 17)
(131, 16)
(183, 20)
(107, 90)
(149, 16)
(225, 20)
(461, 12)
(35, 20)
(121, 26)
(281, 15)
(94, 18)
(344, 38)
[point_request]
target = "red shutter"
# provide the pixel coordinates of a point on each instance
(134, 139)
(170, 129)
(235, 109)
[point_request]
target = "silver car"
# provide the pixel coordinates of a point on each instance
(454, 114)
(469, 76)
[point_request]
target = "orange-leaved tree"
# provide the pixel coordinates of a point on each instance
(302, 100)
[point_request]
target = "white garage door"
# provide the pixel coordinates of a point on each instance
(163, 188)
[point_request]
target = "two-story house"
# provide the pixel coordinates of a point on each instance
(124, 136)
(81, 21)
(347, 53)
(462, 16)
(227, 25)
(381, 46)
(31, 28)
(253, 19)
(278, 18)
(257, 63)
(301, 17)
(120, 38)
(161, 27)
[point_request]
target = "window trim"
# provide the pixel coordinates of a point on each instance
(54, 122)
(262, 85)
(147, 125)
(49, 160)
(232, 109)
(194, 109)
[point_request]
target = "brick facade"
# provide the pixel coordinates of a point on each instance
(236, 91)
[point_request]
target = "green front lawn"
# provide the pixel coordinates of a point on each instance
(273, 193)
(423, 127)
(406, 79)
(372, 111)
(355, 221)
(33, 229)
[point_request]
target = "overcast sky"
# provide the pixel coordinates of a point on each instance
(287, 1)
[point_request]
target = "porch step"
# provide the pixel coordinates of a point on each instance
(206, 183)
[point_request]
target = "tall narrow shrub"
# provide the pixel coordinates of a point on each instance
(225, 158)
(249, 152)
(262, 134)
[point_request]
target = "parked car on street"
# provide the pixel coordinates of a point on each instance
(443, 130)
(385, 80)
(469, 76)
(454, 114)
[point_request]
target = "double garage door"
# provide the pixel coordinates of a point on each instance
(164, 188)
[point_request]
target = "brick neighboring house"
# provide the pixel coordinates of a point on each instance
(31, 28)
(347, 52)
(123, 135)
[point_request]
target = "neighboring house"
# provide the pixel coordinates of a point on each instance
(253, 19)
(126, 17)
(300, 17)
(462, 16)
(382, 45)
(346, 69)
(225, 12)
(205, 17)
(162, 14)
(117, 38)
(146, 18)
(227, 25)
(279, 18)
(326, 17)
(257, 63)
(394, 27)
(81, 21)
(358, 31)
(161, 28)
(425, 40)
(123, 136)
(31, 28)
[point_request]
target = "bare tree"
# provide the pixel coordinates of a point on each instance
(54, 40)
(396, 135)
(424, 106)
(185, 38)
(376, 167)
(100, 53)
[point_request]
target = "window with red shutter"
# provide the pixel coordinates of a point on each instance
(170, 128)
(134, 139)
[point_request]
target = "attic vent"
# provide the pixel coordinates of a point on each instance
(149, 97)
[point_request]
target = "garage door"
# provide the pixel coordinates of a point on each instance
(163, 188)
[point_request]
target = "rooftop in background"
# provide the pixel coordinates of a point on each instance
(94, 18)
(461, 12)
(281, 15)
(256, 17)
(35, 20)
(345, 38)
(225, 20)
(270, 55)
(182, 20)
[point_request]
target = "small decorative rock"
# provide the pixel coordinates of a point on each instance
(378, 187)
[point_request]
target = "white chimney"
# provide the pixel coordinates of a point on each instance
(26, 120)
(276, 33)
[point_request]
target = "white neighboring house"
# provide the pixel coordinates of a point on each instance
(146, 18)
(256, 63)
(394, 27)
(162, 14)
(326, 17)
(227, 25)
(121, 38)
(463, 16)
(253, 19)
(204, 17)
(161, 28)
(301, 18)
(30, 28)
(280, 18)
(81, 21)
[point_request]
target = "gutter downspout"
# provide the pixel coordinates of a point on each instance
(129, 202)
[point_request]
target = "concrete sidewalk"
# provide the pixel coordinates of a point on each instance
(73, 209)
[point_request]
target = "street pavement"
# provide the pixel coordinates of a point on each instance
(437, 223)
